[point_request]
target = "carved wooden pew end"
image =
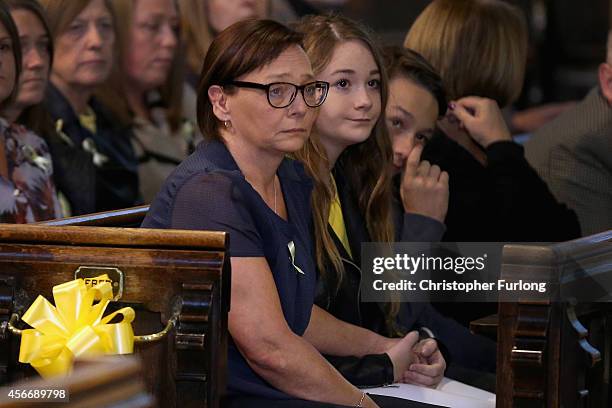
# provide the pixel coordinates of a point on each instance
(112, 381)
(556, 353)
(177, 282)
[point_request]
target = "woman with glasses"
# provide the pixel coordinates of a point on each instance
(257, 103)
(146, 90)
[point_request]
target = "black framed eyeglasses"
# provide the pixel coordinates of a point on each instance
(282, 94)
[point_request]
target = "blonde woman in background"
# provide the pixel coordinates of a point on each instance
(479, 48)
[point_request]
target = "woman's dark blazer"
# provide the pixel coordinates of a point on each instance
(88, 187)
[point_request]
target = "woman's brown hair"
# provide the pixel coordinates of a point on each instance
(241, 48)
(479, 47)
(112, 94)
(411, 65)
(366, 164)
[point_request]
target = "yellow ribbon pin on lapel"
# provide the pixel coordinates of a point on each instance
(291, 247)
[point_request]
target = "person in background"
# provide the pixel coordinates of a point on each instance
(573, 153)
(37, 54)
(95, 165)
(202, 20)
(479, 48)
(27, 191)
(146, 91)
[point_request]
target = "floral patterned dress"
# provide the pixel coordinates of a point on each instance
(28, 194)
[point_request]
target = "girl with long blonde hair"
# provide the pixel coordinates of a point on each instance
(349, 157)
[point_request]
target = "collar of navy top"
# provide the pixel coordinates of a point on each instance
(217, 153)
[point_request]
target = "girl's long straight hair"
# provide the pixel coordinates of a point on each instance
(366, 165)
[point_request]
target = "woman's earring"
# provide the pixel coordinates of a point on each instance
(227, 124)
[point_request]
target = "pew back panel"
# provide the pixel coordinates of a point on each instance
(110, 382)
(557, 352)
(178, 275)
(126, 217)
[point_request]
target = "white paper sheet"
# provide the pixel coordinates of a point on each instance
(449, 393)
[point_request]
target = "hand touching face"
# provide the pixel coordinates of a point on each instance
(481, 118)
(411, 116)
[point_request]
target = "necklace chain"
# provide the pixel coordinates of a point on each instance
(274, 184)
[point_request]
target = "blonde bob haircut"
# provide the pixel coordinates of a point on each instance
(479, 47)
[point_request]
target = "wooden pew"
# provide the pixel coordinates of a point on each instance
(551, 353)
(110, 382)
(486, 326)
(126, 217)
(177, 281)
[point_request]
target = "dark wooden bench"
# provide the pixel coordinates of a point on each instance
(110, 382)
(177, 281)
(550, 354)
(557, 353)
(486, 326)
(127, 218)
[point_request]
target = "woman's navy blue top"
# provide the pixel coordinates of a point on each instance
(209, 192)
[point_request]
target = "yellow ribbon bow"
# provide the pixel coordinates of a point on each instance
(74, 327)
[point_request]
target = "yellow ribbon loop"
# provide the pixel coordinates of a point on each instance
(74, 327)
